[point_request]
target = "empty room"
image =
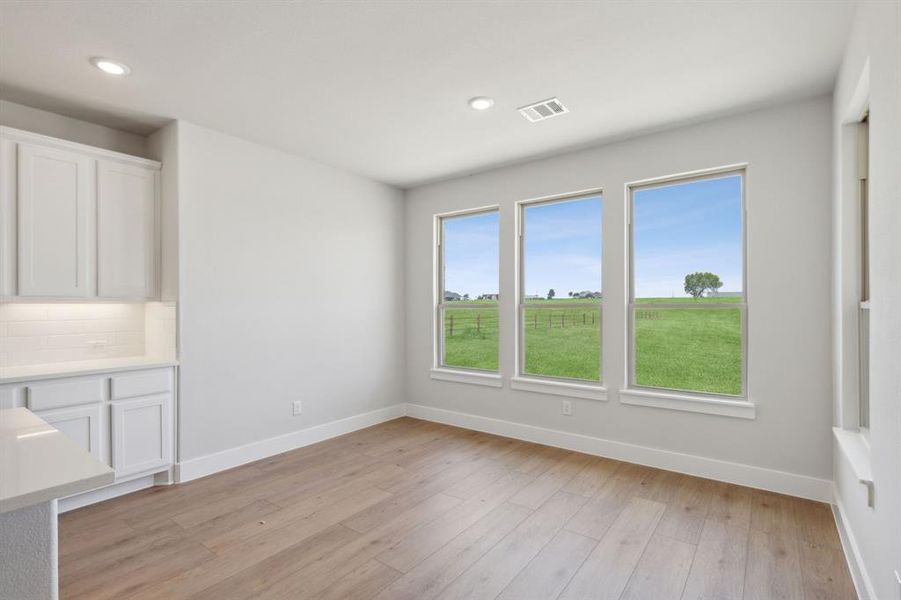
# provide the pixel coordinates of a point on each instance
(458, 299)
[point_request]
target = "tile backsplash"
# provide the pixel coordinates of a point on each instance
(33, 334)
(160, 319)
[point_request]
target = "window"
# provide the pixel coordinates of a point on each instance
(863, 171)
(560, 288)
(687, 305)
(467, 303)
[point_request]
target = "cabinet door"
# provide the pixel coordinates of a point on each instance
(56, 222)
(126, 230)
(81, 424)
(7, 217)
(142, 434)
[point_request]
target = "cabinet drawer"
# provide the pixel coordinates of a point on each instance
(143, 383)
(141, 434)
(44, 396)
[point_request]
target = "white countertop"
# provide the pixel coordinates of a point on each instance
(83, 367)
(39, 463)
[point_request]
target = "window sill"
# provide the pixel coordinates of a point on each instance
(559, 388)
(725, 407)
(856, 449)
(473, 377)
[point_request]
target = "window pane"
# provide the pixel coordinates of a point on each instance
(693, 349)
(563, 342)
(470, 278)
(470, 337)
(471, 257)
(562, 244)
(562, 250)
(688, 240)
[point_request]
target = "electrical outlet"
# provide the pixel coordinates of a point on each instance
(567, 408)
(297, 407)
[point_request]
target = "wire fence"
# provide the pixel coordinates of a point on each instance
(467, 322)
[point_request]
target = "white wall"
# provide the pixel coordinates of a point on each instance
(876, 532)
(788, 149)
(290, 288)
(67, 128)
(163, 146)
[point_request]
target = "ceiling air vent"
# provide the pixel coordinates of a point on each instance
(539, 111)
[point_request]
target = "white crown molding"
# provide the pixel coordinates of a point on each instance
(20, 135)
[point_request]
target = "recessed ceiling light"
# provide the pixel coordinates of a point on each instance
(110, 66)
(481, 102)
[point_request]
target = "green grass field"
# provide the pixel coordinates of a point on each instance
(676, 348)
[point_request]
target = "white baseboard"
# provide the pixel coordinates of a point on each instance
(782, 482)
(862, 582)
(105, 493)
(234, 457)
(756, 477)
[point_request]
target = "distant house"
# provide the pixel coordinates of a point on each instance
(534, 297)
(452, 296)
(716, 294)
(489, 296)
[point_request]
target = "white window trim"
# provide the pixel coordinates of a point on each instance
(711, 405)
(571, 388)
(855, 446)
(473, 377)
(862, 131)
(687, 400)
(851, 296)
(575, 388)
(439, 370)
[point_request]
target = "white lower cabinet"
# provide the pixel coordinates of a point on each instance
(141, 438)
(124, 419)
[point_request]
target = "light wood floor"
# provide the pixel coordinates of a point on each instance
(417, 510)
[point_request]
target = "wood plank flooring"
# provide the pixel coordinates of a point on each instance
(417, 510)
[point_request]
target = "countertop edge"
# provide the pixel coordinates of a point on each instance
(40, 464)
(99, 370)
(62, 490)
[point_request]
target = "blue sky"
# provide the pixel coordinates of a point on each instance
(687, 227)
(679, 229)
(563, 247)
(471, 254)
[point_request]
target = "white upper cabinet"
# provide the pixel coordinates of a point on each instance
(55, 222)
(76, 221)
(126, 230)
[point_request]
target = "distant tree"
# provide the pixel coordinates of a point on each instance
(551, 293)
(570, 294)
(466, 296)
(698, 283)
